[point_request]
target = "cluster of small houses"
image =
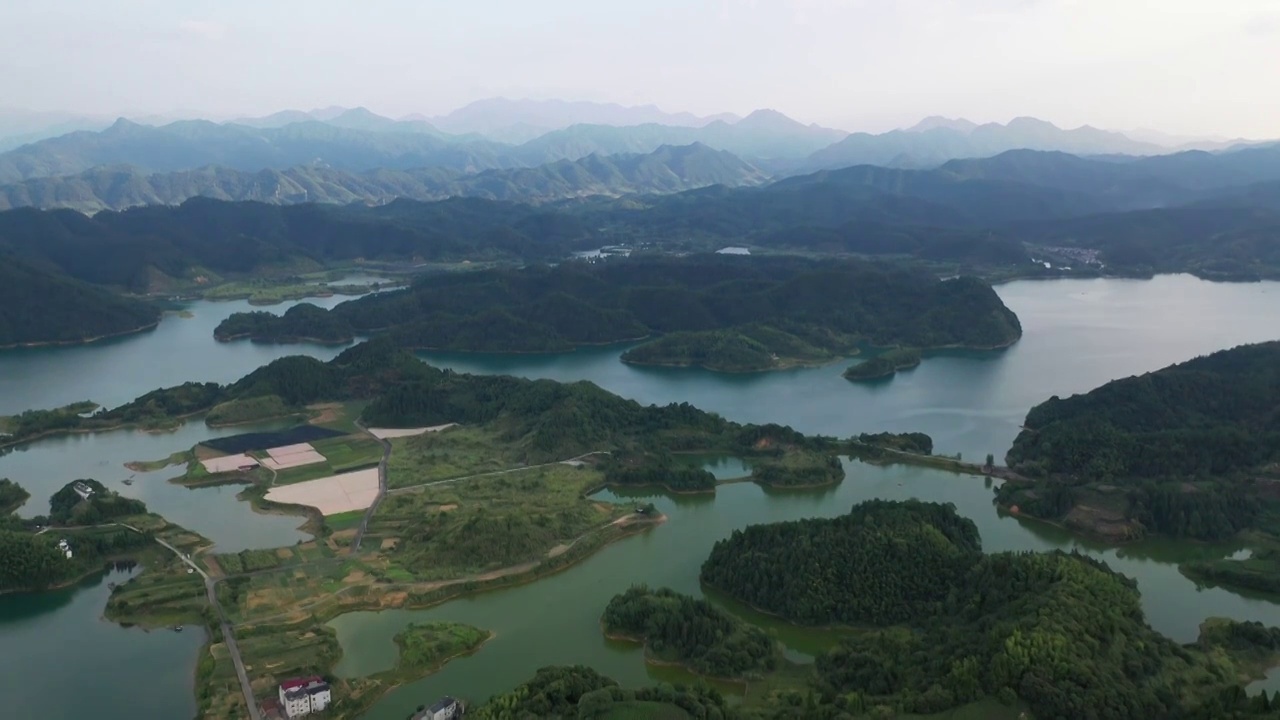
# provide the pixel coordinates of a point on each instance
(299, 697)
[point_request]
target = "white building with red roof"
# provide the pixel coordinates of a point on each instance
(302, 696)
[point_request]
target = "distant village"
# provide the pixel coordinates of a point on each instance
(303, 696)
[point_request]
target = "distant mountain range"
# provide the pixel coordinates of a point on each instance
(518, 121)
(357, 140)
(1023, 180)
(937, 140)
(1215, 214)
(342, 155)
(665, 170)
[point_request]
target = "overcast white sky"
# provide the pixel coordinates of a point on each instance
(1183, 66)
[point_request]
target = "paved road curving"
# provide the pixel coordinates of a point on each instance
(382, 490)
(228, 637)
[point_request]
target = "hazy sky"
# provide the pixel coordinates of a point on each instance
(1184, 66)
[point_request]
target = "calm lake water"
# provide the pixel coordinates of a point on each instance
(1078, 335)
(60, 659)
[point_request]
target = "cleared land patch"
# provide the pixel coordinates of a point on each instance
(331, 495)
(228, 463)
(292, 456)
(388, 433)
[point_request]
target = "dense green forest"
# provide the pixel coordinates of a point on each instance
(656, 470)
(1189, 447)
(1059, 632)
(31, 561)
(303, 322)
(912, 442)
(580, 693)
(690, 631)
(35, 562)
(848, 569)
(12, 496)
(542, 420)
(884, 365)
(38, 306)
(67, 507)
(744, 349)
(798, 469)
(776, 306)
(148, 248)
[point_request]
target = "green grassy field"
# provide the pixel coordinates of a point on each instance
(489, 522)
(247, 410)
(162, 596)
(344, 521)
(460, 451)
(254, 560)
(270, 291)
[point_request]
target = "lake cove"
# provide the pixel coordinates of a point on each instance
(1078, 334)
(44, 466)
(117, 370)
(62, 660)
(556, 620)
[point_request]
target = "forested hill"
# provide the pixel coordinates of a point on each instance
(665, 170)
(941, 625)
(573, 304)
(774, 567)
(980, 216)
(1187, 451)
(42, 307)
(541, 420)
(1214, 415)
(138, 247)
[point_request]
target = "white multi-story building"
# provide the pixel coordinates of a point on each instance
(302, 696)
(320, 695)
(445, 709)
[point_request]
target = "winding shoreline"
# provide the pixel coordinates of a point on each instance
(83, 341)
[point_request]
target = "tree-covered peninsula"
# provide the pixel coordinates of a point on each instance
(943, 625)
(690, 631)
(534, 421)
(82, 535)
(724, 313)
(1186, 451)
(38, 307)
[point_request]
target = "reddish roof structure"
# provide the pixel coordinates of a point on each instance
(300, 682)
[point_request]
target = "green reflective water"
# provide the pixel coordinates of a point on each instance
(60, 659)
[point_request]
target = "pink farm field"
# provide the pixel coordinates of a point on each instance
(331, 495)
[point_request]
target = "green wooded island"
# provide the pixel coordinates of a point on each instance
(683, 630)
(722, 313)
(885, 365)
